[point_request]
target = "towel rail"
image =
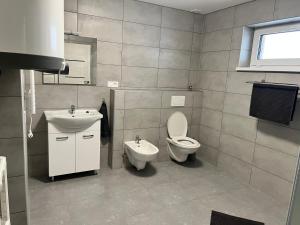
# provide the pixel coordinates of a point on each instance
(266, 82)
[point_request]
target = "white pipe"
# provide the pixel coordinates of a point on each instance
(32, 93)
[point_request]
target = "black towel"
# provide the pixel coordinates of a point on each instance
(274, 102)
(105, 130)
(218, 218)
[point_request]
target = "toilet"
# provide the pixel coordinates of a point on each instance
(141, 152)
(179, 145)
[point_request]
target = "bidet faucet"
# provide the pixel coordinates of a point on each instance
(137, 139)
(72, 111)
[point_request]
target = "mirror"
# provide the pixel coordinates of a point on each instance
(81, 56)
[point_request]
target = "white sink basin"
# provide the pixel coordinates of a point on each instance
(81, 118)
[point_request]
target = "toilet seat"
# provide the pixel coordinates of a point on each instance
(177, 125)
(185, 142)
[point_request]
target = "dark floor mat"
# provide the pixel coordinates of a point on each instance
(218, 218)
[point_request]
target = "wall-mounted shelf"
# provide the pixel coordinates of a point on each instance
(269, 69)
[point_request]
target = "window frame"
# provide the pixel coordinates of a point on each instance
(265, 63)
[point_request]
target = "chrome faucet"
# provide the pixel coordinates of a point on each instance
(72, 111)
(137, 139)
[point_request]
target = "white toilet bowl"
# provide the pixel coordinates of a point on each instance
(179, 145)
(140, 153)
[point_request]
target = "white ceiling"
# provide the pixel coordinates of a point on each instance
(203, 6)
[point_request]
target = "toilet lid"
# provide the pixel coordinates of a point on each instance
(177, 125)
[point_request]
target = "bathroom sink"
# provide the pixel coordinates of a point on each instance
(81, 118)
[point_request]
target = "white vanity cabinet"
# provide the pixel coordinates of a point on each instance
(73, 150)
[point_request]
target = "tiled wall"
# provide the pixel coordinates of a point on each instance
(145, 113)
(140, 45)
(11, 142)
(258, 152)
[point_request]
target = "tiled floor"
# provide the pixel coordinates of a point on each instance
(163, 194)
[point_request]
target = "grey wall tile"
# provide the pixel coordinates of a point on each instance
(104, 158)
(70, 21)
(198, 23)
(237, 104)
(109, 53)
(91, 97)
(104, 8)
(118, 140)
(118, 99)
(277, 137)
(118, 121)
(217, 41)
(38, 165)
(196, 116)
(10, 83)
(11, 117)
(150, 134)
(234, 60)
(39, 144)
(53, 96)
(209, 137)
(211, 118)
(166, 98)
(140, 34)
(175, 39)
(102, 28)
(283, 78)
(141, 118)
(236, 82)
(140, 12)
(239, 126)
(12, 149)
(215, 81)
(173, 78)
(139, 77)
(237, 147)
(16, 194)
(71, 5)
(236, 39)
(140, 56)
(198, 97)
(174, 59)
(213, 100)
(275, 162)
(237, 168)
(195, 61)
(222, 19)
(177, 19)
(215, 61)
(286, 9)
(108, 73)
(209, 154)
(273, 185)
(254, 12)
(197, 42)
(18, 218)
(142, 99)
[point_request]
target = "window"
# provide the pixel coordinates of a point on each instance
(277, 46)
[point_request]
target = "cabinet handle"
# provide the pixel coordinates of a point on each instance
(87, 136)
(62, 138)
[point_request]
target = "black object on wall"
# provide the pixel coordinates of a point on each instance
(274, 102)
(105, 129)
(218, 218)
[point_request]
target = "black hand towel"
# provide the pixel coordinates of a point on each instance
(273, 102)
(105, 130)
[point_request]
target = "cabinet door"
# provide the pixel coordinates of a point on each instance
(61, 154)
(87, 151)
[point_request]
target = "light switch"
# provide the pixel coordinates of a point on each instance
(177, 100)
